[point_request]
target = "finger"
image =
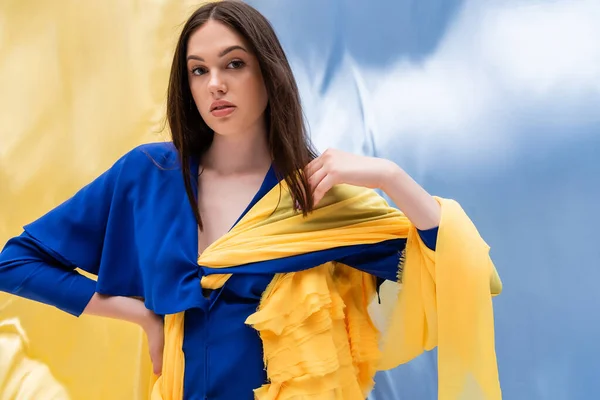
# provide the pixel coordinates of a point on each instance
(157, 365)
(161, 351)
(157, 359)
(316, 178)
(322, 188)
(313, 166)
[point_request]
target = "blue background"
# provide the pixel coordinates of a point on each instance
(494, 104)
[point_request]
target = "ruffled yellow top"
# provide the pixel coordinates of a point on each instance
(318, 327)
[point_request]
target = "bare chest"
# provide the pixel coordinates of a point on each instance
(221, 201)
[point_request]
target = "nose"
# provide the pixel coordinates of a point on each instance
(216, 84)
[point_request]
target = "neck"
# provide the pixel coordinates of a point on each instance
(236, 154)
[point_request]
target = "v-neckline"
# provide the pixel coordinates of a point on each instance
(257, 196)
(262, 190)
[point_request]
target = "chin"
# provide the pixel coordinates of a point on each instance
(225, 128)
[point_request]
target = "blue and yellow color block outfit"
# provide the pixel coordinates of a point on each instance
(287, 317)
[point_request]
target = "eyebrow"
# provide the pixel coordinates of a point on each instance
(221, 54)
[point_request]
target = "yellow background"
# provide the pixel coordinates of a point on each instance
(81, 83)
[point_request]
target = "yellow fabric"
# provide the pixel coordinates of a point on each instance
(319, 340)
(22, 377)
(170, 384)
(82, 82)
(64, 70)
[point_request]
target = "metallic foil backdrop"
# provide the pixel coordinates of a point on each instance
(494, 103)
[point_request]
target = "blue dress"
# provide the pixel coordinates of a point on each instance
(134, 228)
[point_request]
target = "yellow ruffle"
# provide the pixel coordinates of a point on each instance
(318, 340)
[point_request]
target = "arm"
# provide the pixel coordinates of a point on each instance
(132, 310)
(336, 167)
(418, 205)
(29, 270)
(41, 263)
(118, 307)
(383, 259)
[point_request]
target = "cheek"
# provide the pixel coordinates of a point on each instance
(260, 97)
(195, 89)
(264, 96)
(200, 97)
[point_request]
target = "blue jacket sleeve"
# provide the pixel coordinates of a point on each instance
(381, 260)
(31, 270)
(40, 263)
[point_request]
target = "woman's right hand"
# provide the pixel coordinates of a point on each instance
(153, 325)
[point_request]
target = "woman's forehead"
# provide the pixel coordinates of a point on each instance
(213, 38)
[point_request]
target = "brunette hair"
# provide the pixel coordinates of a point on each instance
(287, 137)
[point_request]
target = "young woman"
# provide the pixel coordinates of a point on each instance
(256, 259)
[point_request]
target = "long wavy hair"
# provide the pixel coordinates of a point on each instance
(288, 141)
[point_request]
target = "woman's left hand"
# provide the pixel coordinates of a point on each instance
(335, 167)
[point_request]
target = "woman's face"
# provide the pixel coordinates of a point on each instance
(225, 80)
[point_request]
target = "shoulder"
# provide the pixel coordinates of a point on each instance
(162, 154)
(149, 157)
(141, 165)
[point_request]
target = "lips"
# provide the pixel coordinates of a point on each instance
(222, 108)
(221, 105)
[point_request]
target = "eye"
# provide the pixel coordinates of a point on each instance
(236, 64)
(198, 71)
